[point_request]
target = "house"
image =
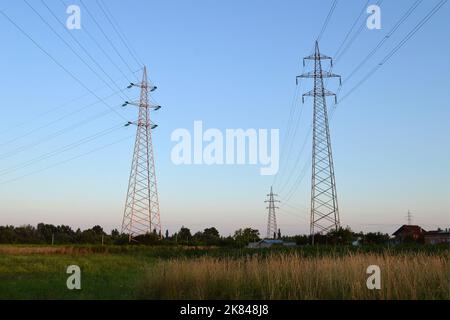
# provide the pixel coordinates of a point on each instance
(357, 242)
(437, 237)
(409, 233)
(268, 243)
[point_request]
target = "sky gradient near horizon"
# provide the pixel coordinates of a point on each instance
(230, 64)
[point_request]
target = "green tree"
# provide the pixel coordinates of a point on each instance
(115, 233)
(184, 235)
(98, 230)
(211, 236)
(341, 236)
(243, 237)
(375, 238)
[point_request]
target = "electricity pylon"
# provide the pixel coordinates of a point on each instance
(141, 213)
(272, 219)
(324, 204)
(409, 217)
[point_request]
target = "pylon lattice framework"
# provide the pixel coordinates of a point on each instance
(141, 213)
(324, 204)
(271, 219)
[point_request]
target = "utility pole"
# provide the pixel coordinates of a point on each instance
(272, 219)
(141, 213)
(324, 204)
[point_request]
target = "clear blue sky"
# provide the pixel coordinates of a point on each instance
(231, 64)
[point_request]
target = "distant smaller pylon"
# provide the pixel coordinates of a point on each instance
(272, 219)
(409, 217)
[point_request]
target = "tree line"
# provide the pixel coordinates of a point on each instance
(62, 234)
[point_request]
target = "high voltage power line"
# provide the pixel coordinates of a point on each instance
(355, 36)
(59, 64)
(363, 10)
(297, 161)
(53, 135)
(417, 27)
(285, 211)
(103, 50)
(295, 98)
(86, 51)
(393, 30)
(304, 170)
(57, 120)
(383, 41)
(293, 108)
(286, 140)
(66, 160)
(59, 150)
(118, 31)
(327, 20)
(291, 191)
(72, 49)
(58, 107)
(64, 130)
(106, 36)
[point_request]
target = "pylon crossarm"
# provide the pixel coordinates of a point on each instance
(322, 74)
(319, 56)
(150, 124)
(142, 85)
(325, 92)
(138, 104)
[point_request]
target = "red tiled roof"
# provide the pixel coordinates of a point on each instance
(408, 229)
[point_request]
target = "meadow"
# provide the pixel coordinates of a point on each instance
(144, 272)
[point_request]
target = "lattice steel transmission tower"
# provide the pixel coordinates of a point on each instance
(409, 218)
(272, 219)
(141, 213)
(324, 204)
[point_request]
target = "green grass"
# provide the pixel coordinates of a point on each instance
(43, 276)
(139, 272)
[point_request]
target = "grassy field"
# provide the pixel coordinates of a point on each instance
(39, 272)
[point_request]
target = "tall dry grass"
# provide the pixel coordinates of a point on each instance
(24, 250)
(289, 276)
(58, 250)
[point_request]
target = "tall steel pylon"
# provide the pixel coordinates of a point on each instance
(271, 219)
(141, 213)
(324, 204)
